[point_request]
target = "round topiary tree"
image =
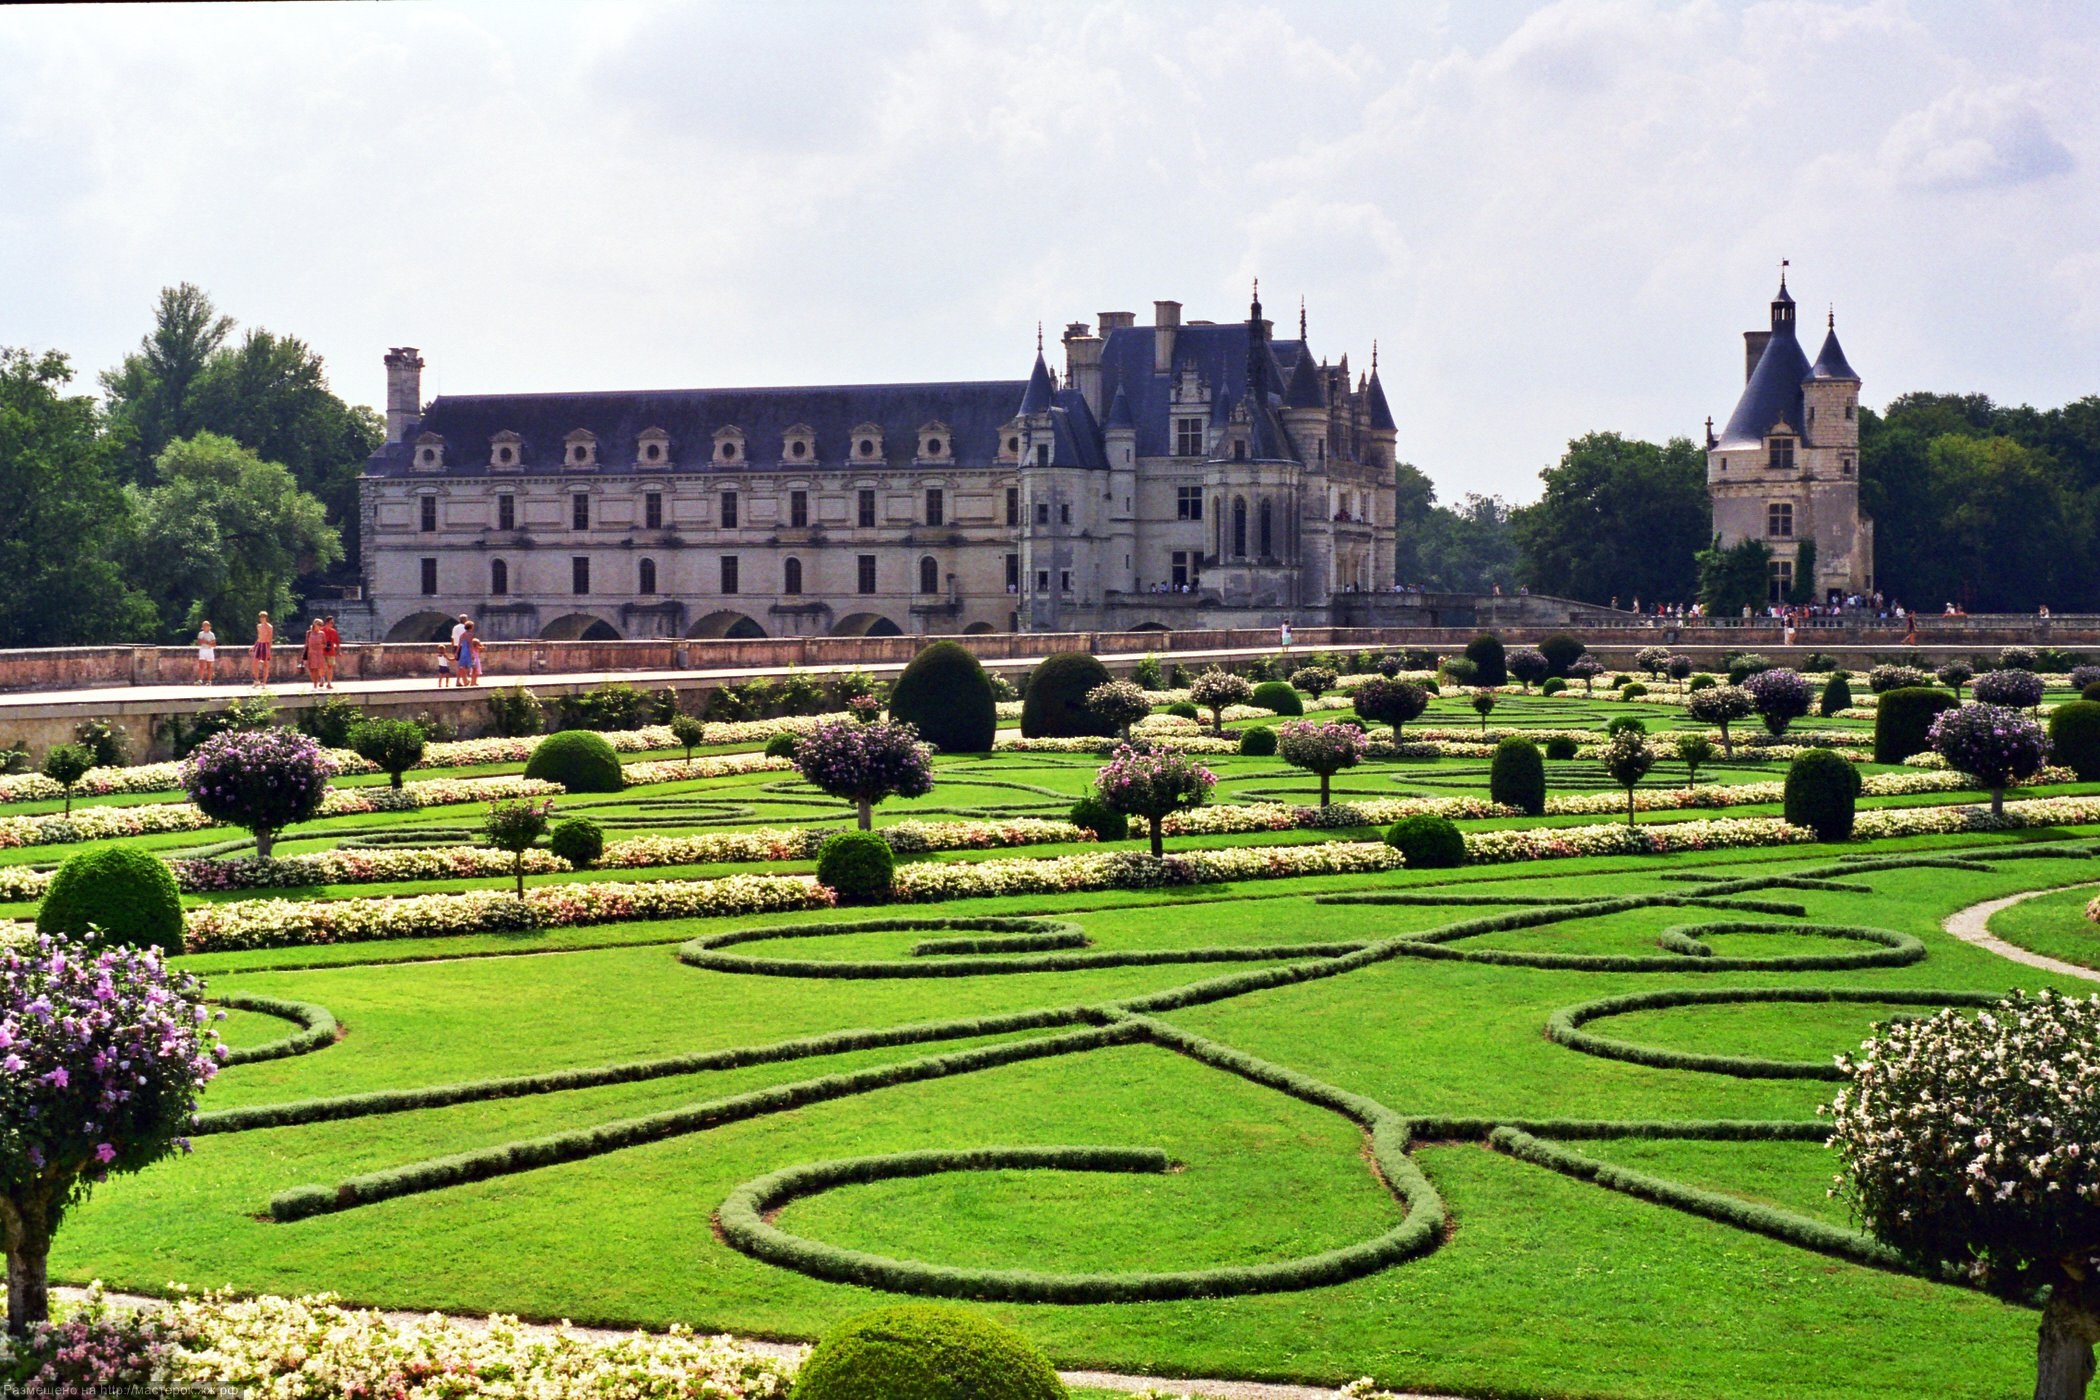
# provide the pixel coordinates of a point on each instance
(579, 759)
(393, 746)
(1652, 660)
(1184, 710)
(1528, 665)
(2012, 689)
(1632, 690)
(261, 779)
(1678, 668)
(1625, 724)
(1389, 665)
(1837, 695)
(1483, 702)
(1517, 776)
(2000, 746)
(1153, 785)
(1389, 702)
(2091, 692)
(1552, 685)
(577, 840)
(1721, 706)
(1781, 696)
(1325, 749)
(688, 732)
(1561, 746)
(517, 827)
(1822, 791)
(1427, 842)
(917, 1351)
(1313, 680)
(1692, 751)
(945, 695)
(1746, 665)
(1215, 689)
(2018, 658)
(1627, 757)
(67, 764)
(2083, 676)
(1561, 652)
(106, 1053)
(781, 745)
(1890, 677)
(1277, 697)
(1258, 741)
(1097, 816)
(858, 866)
(2074, 738)
(1485, 652)
(866, 763)
(127, 894)
(1955, 674)
(1119, 704)
(1457, 671)
(1586, 669)
(1959, 1155)
(1055, 705)
(1903, 722)
(1700, 682)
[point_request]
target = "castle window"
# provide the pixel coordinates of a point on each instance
(729, 573)
(1064, 512)
(1013, 445)
(427, 513)
(652, 510)
(1851, 412)
(929, 575)
(646, 580)
(867, 447)
(580, 511)
(1188, 437)
(798, 448)
(1188, 503)
(429, 580)
(1042, 580)
(933, 441)
(1267, 551)
(1042, 512)
(652, 448)
(580, 448)
(499, 577)
(1180, 578)
(1782, 454)
(506, 451)
(864, 569)
(798, 509)
(1846, 462)
(729, 510)
(506, 512)
(1239, 527)
(933, 447)
(580, 574)
(1239, 450)
(867, 441)
(1779, 520)
(1042, 454)
(1013, 573)
(936, 506)
(1780, 580)
(1064, 580)
(865, 507)
(430, 452)
(791, 576)
(1013, 505)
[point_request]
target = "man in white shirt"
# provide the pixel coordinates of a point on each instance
(459, 629)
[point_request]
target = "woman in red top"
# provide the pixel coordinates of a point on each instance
(316, 655)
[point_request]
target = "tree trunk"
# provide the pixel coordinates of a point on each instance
(2063, 1353)
(1217, 721)
(1629, 806)
(517, 868)
(1157, 849)
(69, 800)
(1727, 744)
(264, 840)
(1323, 789)
(394, 780)
(1997, 802)
(28, 1229)
(867, 815)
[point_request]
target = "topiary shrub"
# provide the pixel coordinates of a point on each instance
(1279, 697)
(1891, 677)
(781, 745)
(1624, 724)
(1427, 842)
(2074, 738)
(579, 760)
(1700, 682)
(2018, 658)
(126, 893)
(1560, 746)
(1055, 706)
(1216, 689)
(2091, 692)
(1955, 674)
(393, 746)
(1318, 680)
(1782, 696)
(1517, 776)
(1390, 702)
(1837, 695)
(1097, 816)
(1998, 746)
(1903, 721)
(1258, 741)
(2084, 677)
(2013, 689)
(1121, 704)
(1822, 791)
(1528, 665)
(1489, 666)
(945, 695)
(858, 865)
(1552, 685)
(577, 840)
(261, 779)
(1561, 651)
(1632, 690)
(1748, 664)
(919, 1351)
(67, 764)
(688, 733)
(1185, 710)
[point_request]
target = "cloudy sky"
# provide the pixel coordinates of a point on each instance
(1553, 218)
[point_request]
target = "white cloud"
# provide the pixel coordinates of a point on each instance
(1973, 139)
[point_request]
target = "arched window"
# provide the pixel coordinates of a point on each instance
(1267, 535)
(499, 577)
(791, 576)
(929, 575)
(648, 578)
(1239, 527)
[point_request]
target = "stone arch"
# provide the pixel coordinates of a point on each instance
(1150, 627)
(734, 625)
(978, 629)
(422, 627)
(865, 624)
(579, 627)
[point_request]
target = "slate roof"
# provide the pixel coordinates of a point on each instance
(1381, 415)
(1305, 390)
(1830, 360)
(1219, 355)
(1773, 393)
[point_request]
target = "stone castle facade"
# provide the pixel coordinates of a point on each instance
(1785, 469)
(1177, 475)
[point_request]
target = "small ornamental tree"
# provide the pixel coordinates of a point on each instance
(1970, 1143)
(67, 764)
(1999, 746)
(1483, 705)
(1884, 678)
(1652, 659)
(1955, 674)
(1678, 668)
(1313, 680)
(1153, 785)
(517, 827)
(945, 694)
(1389, 702)
(261, 779)
(865, 763)
(1837, 695)
(1781, 696)
(1120, 704)
(2018, 658)
(1215, 689)
(2074, 738)
(103, 1052)
(1485, 652)
(1627, 757)
(1325, 749)
(393, 746)
(688, 732)
(1528, 665)
(1586, 669)
(1459, 671)
(1822, 793)
(2013, 689)
(1721, 706)
(1517, 776)
(1561, 652)
(1693, 750)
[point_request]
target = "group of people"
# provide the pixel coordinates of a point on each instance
(459, 660)
(317, 655)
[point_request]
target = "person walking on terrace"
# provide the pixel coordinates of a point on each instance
(259, 657)
(207, 654)
(333, 650)
(316, 654)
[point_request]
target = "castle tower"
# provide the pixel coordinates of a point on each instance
(404, 391)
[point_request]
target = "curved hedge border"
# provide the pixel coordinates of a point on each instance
(1011, 943)
(317, 1025)
(1565, 1025)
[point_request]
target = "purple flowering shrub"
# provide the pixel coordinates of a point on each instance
(865, 763)
(1325, 749)
(1389, 702)
(1215, 689)
(103, 1051)
(1781, 696)
(261, 779)
(1721, 705)
(1153, 784)
(1119, 703)
(1528, 665)
(97, 1351)
(2016, 690)
(2000, 746)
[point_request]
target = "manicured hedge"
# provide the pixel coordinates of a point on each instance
(1902, 718)
(126, 894)
(859, 865)
(1258, 741)
(579, 759)
(944, 692)
(317, 1028)
(1517, 776)
(2074, 736)
(911, 1351)
(1055, 706)
(1278, 696)
(1010, 943)
(1822, 792)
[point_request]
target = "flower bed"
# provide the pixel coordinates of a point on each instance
(678, 770)
(928, 882)
(1926, 821)
(1615, 839)
(101, 823)
(1008, 742)
(800, 843)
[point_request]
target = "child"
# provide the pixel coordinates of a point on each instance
(444, 650)
(207, 654)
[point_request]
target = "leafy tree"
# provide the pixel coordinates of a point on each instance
(1998, 745)
(261, 779)
(1389, 702)
(1467, 548)
(517, 827)
(1215, 689)
(1627, 757)
(1319, 748)
(1153, 785)
(865, 763)
(67, 764)
(689, 732)
(1618, 517)
(393, 746)
(149, 394)
(1119, 703)
(1734, 577)
(1803, 589)
(1693, 750)
(223, 534)
(64, 512)
(1722, 705)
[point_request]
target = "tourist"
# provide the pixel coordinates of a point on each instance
(446, 651)
(1287, 631)
(469, 656)
(259, 658)
(335, 649)
(315, 656)
(207, 654)
(459, 629)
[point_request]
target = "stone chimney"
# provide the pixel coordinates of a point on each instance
(1117, 321)
(1083, 365)
(1166, 318)
(404, 391)
(1754, 343)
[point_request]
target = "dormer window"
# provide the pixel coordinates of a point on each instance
(652, 448)
(506, 451)
(729, 446)
(580, 449)
(1782, 450)
(934, 442)
(867, 442)
(430, 453)
(798, 444)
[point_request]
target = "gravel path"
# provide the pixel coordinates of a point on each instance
(1972, 925)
